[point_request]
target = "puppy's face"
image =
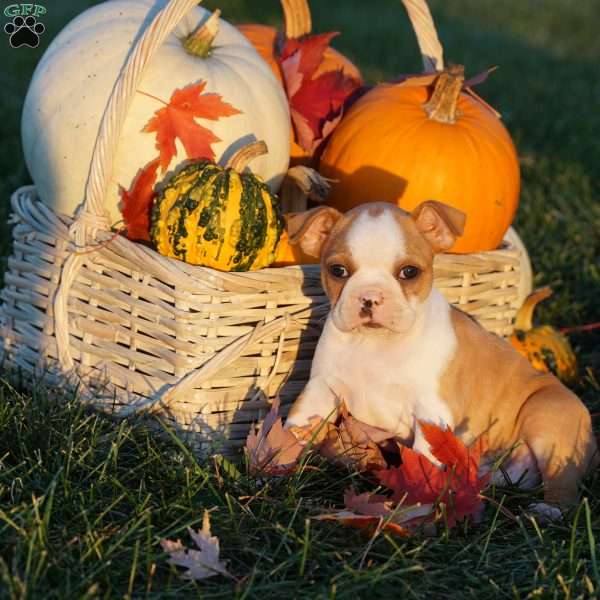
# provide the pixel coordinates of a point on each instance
(376, 269)
(377, 260)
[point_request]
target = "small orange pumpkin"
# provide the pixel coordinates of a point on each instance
(405, 143)
(547, 349)
(287, 254)
(268, 42)
(299, 185)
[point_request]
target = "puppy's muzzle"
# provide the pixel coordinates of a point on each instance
(368, 301)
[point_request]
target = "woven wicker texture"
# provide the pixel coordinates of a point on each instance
(141, 333)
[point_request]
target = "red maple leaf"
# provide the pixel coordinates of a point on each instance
(137, 202)
(311, 50)
(455, 483)
(316, 103)
(317, 107)
(176, 120)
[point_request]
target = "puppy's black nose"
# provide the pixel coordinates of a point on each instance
(368, 303)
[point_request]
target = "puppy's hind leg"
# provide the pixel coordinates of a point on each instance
(557, 427)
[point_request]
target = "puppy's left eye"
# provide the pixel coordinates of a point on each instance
(339, 271)
(409, 272)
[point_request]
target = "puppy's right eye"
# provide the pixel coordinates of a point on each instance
(339, 271)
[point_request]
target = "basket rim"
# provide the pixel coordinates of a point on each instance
(27, 206)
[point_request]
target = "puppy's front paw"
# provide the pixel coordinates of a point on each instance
(546, 513)
(421, 446)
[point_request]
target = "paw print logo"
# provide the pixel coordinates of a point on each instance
(24, 31)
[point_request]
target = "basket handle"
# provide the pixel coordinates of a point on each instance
(427, 38)
(92, 211)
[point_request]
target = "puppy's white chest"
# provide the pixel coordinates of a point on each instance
(389, 381)
(384, 396)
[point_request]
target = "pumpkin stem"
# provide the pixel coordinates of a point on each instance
(200, 41)
(443, 104)
(299, 184)
(296, 18)
(242, 158)
(524, 318)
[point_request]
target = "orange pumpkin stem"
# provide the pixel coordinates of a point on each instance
(443, 104)
(524, 318)
(200, 41)
(242, 158)
(296, 17)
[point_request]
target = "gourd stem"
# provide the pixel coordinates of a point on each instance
(524, 318)
(301, 184)
(297, 20)
(200, 41)
(443, 104)
(242, 158)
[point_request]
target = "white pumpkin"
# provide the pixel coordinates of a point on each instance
(73, 81)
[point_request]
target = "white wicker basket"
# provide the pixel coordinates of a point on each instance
(138, 332)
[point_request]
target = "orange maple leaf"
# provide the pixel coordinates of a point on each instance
(137, 202)
(176, 120)
(455, 483)
(316, 103)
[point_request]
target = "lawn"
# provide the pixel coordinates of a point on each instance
(84, 500)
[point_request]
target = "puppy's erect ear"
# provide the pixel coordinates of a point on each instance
(439, 223)
(310, 229)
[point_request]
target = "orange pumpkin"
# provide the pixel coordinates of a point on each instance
(405, 143)
(267, 40)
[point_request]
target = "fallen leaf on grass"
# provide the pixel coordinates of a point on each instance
(314, 432)
(455, 482)
(271, 449)
(274, 450)
(177, 120)
(369, 511)
(420, 487)
(356, 443)
(201, 563)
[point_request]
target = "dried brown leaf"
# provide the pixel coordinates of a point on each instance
(370, 511)
(314, 433)
(271, 449)
(356, 443)
(201, 563)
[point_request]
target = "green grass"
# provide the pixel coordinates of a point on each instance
(85, 500)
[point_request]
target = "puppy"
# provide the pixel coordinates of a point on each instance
(395, 351)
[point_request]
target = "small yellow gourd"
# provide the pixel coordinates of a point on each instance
(546, 348)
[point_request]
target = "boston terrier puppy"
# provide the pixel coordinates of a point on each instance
(396, 352)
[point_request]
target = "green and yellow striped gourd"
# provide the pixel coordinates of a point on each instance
(218, 217)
